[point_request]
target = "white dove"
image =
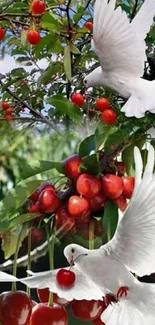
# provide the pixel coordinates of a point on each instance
(120, 47)
(107, 270)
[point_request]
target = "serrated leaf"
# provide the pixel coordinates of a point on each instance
(86, 146)
(40, 166)
(67, 63)
(10, 239)
(110, 218)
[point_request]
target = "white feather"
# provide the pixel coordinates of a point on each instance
(116, 44)
(134, 241)
(83, 288)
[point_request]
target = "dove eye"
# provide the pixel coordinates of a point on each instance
(72, 250)
(85, 81)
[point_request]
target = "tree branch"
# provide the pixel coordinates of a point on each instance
(32, 110)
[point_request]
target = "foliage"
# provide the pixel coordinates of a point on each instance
(47, 127)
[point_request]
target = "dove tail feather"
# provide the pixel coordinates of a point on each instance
(142, 100)
(135, 309)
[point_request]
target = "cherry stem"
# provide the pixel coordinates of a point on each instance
(14, 285)
(109, 232)
(28, 290)
(51, 258)
(91, 234)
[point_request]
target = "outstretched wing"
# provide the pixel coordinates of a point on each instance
(134, 241)
(144, 18)
(83, 287)
(118, 43)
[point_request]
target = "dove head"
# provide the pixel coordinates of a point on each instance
(74, 252)
(94, 78)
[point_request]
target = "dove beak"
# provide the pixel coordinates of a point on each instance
(71, 261)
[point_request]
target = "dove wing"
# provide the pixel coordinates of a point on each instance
(83, 287)
(134, 241)
(144, 18)
(118, 43)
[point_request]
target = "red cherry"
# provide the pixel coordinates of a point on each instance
(97, 202)
(88, 185)
(48, 201)
(98, 321)
(89, 25)
(46, 185)
(121, 168)
(63, 219)
(16, 308)
(83, 220)
(33, 208)
(43, 295)
(77, 99)
(38, 7)
(109, 117)
(71, 166)
(102, 104)
(42, 314)
(87, 310)
(77, 206)
(5, 105)
(121, 202)
(37, 236)
(65, 278)
(2, 33)
(8, 118)
(112, 186)
(34, 197)
(9, 111)
(128, 186)
(33, 37)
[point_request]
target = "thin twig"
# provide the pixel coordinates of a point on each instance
(134, 9)
(32, 110)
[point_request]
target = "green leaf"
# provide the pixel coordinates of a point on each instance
(74, 49)
(40, 166)
(67, 63)
(16, 196)
(46, 76)
(64, 106)
(102, 132)
(10, 240)
(11, 223)
(110, 218)
(128, 156)
(87, 146)
(114, 140)
(90, 165)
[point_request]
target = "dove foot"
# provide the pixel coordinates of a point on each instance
(109, 299)
(122, 291)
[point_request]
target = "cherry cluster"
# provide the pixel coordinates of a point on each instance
(8, 111)
(84, 202)
(37, 8)
(83, 310)
(17, 308)
(107, 114)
